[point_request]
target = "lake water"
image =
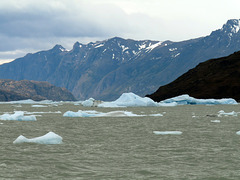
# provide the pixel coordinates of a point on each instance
(123, 147)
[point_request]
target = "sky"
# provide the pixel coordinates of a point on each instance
(28, 26)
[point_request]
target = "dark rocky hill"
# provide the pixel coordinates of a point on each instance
(215, 78)
(11, 90)
(106, 69)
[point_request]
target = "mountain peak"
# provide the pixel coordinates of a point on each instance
(232, 26)
(58, 47)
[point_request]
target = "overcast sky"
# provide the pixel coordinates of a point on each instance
(31, 25)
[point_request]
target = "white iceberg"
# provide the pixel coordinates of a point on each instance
(18, 116)
(215, 121)
(186, 99)
(81, 113)
(238, 133)
(129, 100)
(222, 113)
(167, 132)
(49, 138)
(88, 103)
(38, 106)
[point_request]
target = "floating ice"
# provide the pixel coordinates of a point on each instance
(215, 121)
(222, 113)
(186, 99)
(238, 133)
(39, 106)
(18, 116)
(49, 138)
(88, 103)
(81, 113)
(129, 100)
(167, 132)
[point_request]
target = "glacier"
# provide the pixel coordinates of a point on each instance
(49, 138)
(18, 116)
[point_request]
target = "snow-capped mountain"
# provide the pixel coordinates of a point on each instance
(106, 69)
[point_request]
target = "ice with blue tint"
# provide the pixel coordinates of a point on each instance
(17, 116)
(49, 138)
(129, 100)
(167, 132)
(81, 113)
(186, 99)
(222, 113)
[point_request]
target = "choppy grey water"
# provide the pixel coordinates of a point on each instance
(123, 147)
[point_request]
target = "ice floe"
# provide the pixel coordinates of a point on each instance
(215, 121)
(49, 138)
(222, 113)
(81, 113)
(133, 100)
(238, 133)
(37, 106)
(186, 99)
(129, 100)
(18, 116)
(167, 132)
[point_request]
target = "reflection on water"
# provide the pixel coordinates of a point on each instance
(123, 147)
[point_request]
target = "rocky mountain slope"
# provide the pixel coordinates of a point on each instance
(216, 78)
(11, 90)
(106, 69)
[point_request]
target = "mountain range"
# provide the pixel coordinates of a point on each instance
(215, 78)
(11, 90)
(106, 69)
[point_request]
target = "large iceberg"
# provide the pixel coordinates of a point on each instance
(129, 100)
(18, 116)
(49, 138)
(186, 99)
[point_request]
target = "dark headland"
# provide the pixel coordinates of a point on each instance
(215, 78)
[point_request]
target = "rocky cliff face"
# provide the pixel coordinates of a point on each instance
(11, 90)
(216, 78)
(106, 69)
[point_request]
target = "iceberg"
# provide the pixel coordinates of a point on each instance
(222, 113)
(49, 138)
(88, 103)
(167, 132)
(186, 99)
(18, 116)
(81, 113)
(39, 106)
(129, 100)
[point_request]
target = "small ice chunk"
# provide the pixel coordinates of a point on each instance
(18, 116)
(222, 113)
(49, 138)
(167, 132)
(39, 105)
(238, 133)
(215, 121)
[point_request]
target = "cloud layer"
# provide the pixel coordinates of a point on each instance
(29, 25)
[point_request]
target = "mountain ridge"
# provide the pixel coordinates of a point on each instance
(106, 69)
(11, 90)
